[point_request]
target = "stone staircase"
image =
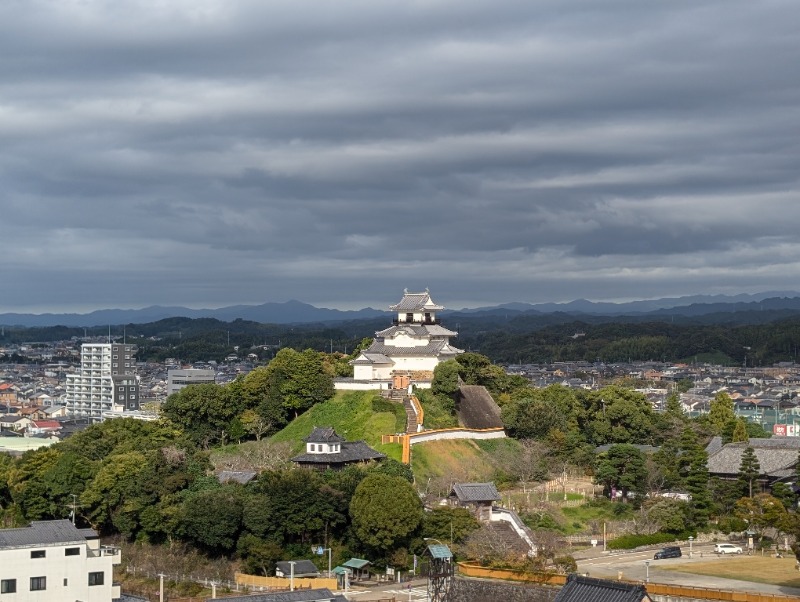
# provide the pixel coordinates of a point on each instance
(504, 537)
(411, 415)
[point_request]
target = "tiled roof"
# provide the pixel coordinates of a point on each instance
(238, 476)
(580, 589)
(45, 532)
(356, 563)
(434, 348)
(415, 301)
(301, 567)
(775, 459)
(371, 358)
(475, 492)
(417, 330)
(350, 451)
(324, 434)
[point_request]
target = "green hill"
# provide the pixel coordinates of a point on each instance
(355, 415)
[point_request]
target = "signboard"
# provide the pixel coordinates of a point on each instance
(786, 430)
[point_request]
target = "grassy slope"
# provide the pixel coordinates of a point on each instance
(351, 414)
(461, 460)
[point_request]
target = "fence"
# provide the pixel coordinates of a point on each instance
(653, 589)
(242, 583)
(254, 582)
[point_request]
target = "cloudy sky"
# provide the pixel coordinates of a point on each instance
(208, 153)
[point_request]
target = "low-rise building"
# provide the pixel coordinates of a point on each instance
(53, 561)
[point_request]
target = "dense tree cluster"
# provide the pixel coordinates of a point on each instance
(149, 482)
(259, 403)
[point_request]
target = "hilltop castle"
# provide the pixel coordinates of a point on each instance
(406, 352)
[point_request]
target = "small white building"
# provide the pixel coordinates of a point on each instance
(53, 561)
(412, 347)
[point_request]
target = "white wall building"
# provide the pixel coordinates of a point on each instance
(178, 379)
(106, 381)
(413, 346)
(52, 561)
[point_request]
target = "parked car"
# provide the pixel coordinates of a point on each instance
(668, 552)
(727, 548)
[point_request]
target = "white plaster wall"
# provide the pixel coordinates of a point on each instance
(56, 567)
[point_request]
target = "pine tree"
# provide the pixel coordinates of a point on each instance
(721, 412)
(694, 467)
(740, 432)
(674, 407)
(749, 470)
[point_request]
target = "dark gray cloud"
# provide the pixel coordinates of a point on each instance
(209, 153)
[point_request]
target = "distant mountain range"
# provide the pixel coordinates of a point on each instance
(296, 312)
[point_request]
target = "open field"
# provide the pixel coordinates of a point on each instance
(758, 569)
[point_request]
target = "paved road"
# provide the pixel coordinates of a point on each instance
(639, 566)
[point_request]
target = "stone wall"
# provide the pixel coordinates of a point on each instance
(475, 590)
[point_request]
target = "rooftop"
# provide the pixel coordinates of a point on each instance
(46, 532)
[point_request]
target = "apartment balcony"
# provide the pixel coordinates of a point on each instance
(105, 551)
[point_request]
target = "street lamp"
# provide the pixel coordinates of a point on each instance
(691, 539)
(647, 571)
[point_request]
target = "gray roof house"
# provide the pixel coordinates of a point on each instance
(478, 496)
(582, 589)
(325, 449)
(236, 476)
(302, 568)
(777, 457)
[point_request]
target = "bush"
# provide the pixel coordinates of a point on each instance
(731, 524)
(628, 542)
(565, 564)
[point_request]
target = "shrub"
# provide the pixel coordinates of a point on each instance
(628, 542)
(565, 564)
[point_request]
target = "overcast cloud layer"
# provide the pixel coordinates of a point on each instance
(209, 153)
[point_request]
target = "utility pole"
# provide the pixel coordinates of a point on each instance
(74, 507)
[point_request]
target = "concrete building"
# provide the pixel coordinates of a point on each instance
(178, 379)
(52, 561)
(106, 381)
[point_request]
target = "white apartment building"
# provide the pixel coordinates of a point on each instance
(178, 379)
(52, 561)
(106, 381)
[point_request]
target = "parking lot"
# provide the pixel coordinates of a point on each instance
(640, 566)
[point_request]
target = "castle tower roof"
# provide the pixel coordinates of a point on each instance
(416, 302)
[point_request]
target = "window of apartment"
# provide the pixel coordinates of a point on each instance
(37, 553)
(96, 578)
(66, 581)
(38, 584)
(72, 552)
(120, 388)
(116, 357)
(8, 586)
